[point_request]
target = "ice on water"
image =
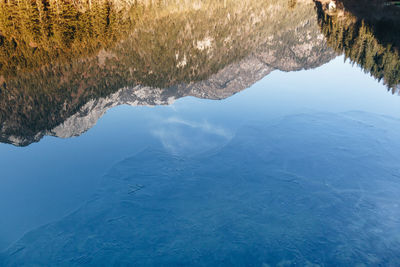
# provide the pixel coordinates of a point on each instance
(304, 189)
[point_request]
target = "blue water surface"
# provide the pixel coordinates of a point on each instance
(301, 168)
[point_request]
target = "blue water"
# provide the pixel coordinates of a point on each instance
(301, 168)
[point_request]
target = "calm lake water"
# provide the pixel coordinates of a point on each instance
(207, 133)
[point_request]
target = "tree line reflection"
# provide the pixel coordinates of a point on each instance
(57, 55)
(370, 40)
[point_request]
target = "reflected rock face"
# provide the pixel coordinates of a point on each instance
(60, 79)
(367, 33)
(255, 201)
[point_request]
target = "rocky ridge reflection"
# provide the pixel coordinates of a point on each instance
(149, 55)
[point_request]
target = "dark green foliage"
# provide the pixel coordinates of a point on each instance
(358, 40)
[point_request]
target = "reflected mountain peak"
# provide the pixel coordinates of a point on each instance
(155, 53)
(59, 59)
(302, 159)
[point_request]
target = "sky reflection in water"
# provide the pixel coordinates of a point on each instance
(299, 168)
(57, 175)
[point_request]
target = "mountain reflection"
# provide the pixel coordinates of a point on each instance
(64, 63)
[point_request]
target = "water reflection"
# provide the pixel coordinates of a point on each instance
(368, 39)
(310, 189)
(305, 190)
(59, 66)
(63, 62)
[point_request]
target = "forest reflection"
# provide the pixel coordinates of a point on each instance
(57, 56)
(367, 33)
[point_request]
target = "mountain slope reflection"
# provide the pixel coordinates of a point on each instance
(261, 196)
(64, 63)
(208, 49)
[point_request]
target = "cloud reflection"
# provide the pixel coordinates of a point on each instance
(180, 136)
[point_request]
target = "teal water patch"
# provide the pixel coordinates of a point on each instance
(306, 189)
